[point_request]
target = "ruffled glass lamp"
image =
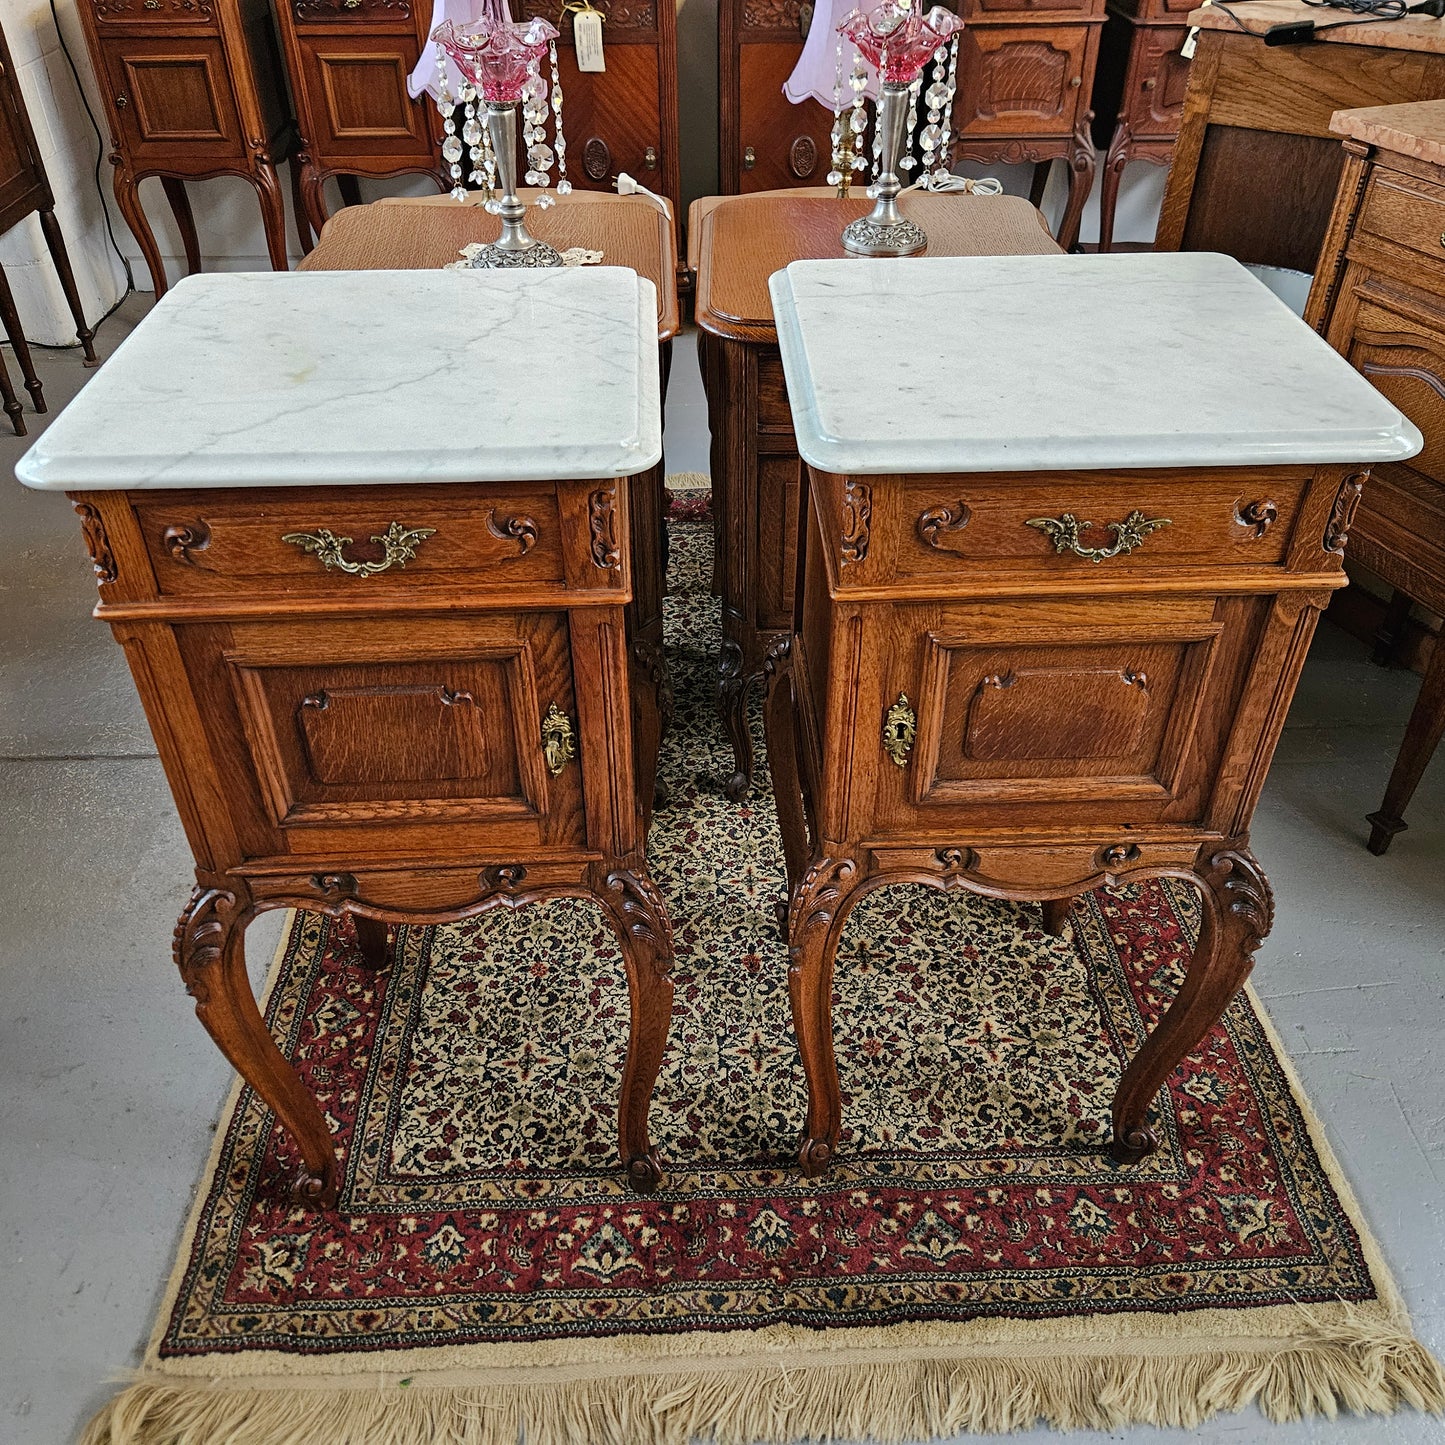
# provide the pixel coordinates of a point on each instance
(500, 61)
(896, 40)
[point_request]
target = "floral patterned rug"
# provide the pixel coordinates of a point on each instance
(973, 1259)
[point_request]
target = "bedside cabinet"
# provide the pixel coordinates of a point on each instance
(192, 89)
(373, 585)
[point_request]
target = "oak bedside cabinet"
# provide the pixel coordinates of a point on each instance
(372, 579)
(1055, 598)
(1379, 299)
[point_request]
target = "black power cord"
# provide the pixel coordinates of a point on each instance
(1374, 9)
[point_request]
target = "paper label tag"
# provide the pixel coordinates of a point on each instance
(587, 38)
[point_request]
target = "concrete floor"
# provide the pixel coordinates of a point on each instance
(109, 1089)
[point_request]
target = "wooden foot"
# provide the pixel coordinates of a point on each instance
(16, 333)
(733, 687)
(1422, 737)
(55, 242)
(639, 915)
(1238, 913)
(373, 941)
(1056, 913)
(210, 954)
(13, 409)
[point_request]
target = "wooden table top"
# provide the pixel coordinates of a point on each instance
(742, 240)
(1254, 17)
(1415, 129)
(420, 235)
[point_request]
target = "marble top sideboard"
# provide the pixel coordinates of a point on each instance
(370, 377)
(1043, 363)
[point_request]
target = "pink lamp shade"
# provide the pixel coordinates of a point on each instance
(897, 40)
(462, 14)
(816, 73)
(495, 57)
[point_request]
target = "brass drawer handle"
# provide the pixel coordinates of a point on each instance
(400, 544)
(351, 4)
(559, 739)
(1130, 533)
(900, 728)
(1442, 238)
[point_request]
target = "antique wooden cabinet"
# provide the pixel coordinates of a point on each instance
(1377, 298)
(192, 88)
(1025, 75)
(1138, 92)
(385, 665)
(1039, 650)
(349, 61)
(25, 188)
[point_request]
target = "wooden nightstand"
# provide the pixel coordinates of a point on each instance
(1377, 300)
(1039, 650)
(415, 728)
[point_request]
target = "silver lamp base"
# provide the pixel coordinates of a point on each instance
(539, 253)
(869, 237)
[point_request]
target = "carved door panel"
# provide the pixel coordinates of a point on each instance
(356, 94)
(1019, 81)
(173, 96)
(390, 737)
(1093, 721)
(1158, 78)
(779, 144)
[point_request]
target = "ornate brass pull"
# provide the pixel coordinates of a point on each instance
(351, 4)
(1130, 533)
(400, 544)
(559, 740)
(750, 158)
(900, 727)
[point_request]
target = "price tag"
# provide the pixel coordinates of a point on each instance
(587, 38)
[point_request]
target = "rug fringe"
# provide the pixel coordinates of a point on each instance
(1337, 1370)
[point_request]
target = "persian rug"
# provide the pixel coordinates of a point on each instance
(973, 1262)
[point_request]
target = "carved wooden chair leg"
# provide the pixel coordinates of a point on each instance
(1056, 915)
(1422, 736)
(127, 197)
(1238, 914)
(639, 915)
(273, 213)
(733, 687)
(313, 198)
(180, 202)
(210, 953)
(373, 940)
(298, 206)
(350, 189)
(819, 909)
(1082, 162)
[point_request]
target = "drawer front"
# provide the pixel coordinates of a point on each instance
(172, 95)
(339, 15)
(1158, 78)
(1406, 211)
(356, 97)
(779, 144)
(983, 10)
(1000, 525)
(419, 538)
(131, 13)
(1024, 80)
(389, 737)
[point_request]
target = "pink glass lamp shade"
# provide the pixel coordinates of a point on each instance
(897, 40)
(496, 57)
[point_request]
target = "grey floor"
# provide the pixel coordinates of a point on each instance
(109, 1089)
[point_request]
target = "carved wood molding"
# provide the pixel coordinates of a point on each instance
(520, 529)
(857, 519)
(1260, 515)
(328, 9)
(816, 900)
(602, 523)
(1342, 514)
(184, 538)
(130, 9)
(96, 542)
(937, 521)
(1416, 373)
(778, 15)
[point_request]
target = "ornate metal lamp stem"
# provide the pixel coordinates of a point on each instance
(516, 246)
(885, 231)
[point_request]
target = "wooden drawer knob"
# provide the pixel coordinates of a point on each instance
(1150, 83)
(1076, 82)
(649, 159)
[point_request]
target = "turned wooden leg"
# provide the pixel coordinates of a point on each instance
(733, 687)
(783, 760)
(640, 917)
(175, 190)
(127, 197)
(1238, 913)
(1056, 915)
(373, 940)
(55, 242)
(210, 954)
(13, 409)
(1392, 627)
(16, 333)
(1082, 162)
(273, 213)
(298, 206)
(1040, 183)
(819, 908)
(1422, 736)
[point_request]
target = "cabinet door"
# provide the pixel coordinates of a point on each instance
(20, 176)
(612, 119)
(173, 96)
(1158, 78)
(355, 86)
(401, 738)
(1021, 81)
(779, 144)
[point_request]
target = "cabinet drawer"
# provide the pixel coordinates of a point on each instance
(128, 13)
(204, 545)
(1406, 211)
(338, 15)
(997, 524)
(403, 738)
(977, 11)
(1023, 80)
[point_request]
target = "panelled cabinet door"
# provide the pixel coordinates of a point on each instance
(612, 119)
(780, 144)
(356, 85)
(1020, 81)
(1160, 76)
(170, 94)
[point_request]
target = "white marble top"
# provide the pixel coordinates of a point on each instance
(340, 377)
(1032, 363)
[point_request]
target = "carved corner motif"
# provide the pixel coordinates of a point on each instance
(816, 899)
(521, 530)
(1235, 875)
(200, 938)
(1342, 514)
(652, 663)
(602, 524)
(333, 887)
(934, 524)
(639, 905)
(953, 864)
(185, 538)
(1259, 516)
(96, 542)
(857, 519)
